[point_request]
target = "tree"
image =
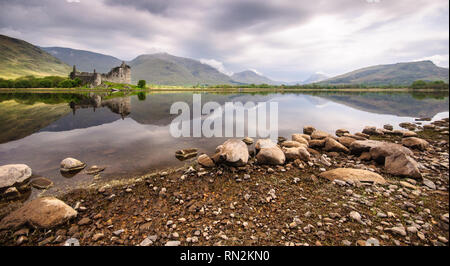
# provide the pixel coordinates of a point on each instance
(67, 83)
(141, 84)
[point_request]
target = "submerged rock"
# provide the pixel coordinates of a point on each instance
(349, 174)
(186, 154)
(71, 165)
(45, 212)
(95, 169)
(41, 183)
(13, 175)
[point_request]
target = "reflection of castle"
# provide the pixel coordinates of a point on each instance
(116, 105)
(120, 74)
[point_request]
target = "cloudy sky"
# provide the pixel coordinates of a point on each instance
(284, 40)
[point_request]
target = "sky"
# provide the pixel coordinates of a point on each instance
(285, 40)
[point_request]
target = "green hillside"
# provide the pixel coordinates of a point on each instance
(19, 58)
(394, 74)
(165, 69)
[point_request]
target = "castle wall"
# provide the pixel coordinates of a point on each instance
(120, 74)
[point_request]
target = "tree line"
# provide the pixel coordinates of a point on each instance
(44, 82)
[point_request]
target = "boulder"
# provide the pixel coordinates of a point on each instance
(308, 130)
(317, 143)
(248, 140)
(272, 155)
(318, 134)
(400, 164)
(232, 151)
(41, 183)
(71, 165)
(385, 149)
(346, 141)
(360, 146)
(291, 144)
(333, 145)
(11, 193)
(14, 175)
(372, 131)
(350, 174)
(361, 135)
(46, 212)
(415, 143)
(264, 143)
(299, 138)
(296, 153)
(205, 160)
(340, 132)
(407, 125)
(388, 127)
(408, 133)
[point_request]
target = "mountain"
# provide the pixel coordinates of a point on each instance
(166, 69)
(316, 77)
(251, 77)
(84, 60)
(19, 58)
(393, 74)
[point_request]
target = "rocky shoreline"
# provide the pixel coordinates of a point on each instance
(375, 187)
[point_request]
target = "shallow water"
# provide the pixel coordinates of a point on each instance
(130, 134)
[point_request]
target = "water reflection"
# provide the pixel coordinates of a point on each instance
(130, 134)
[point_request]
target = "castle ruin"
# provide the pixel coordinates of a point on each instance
(120, 74)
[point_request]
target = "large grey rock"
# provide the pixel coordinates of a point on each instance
(232, 151)
(308, 130)
(296, 153)
(350, 174)
(14, 174)
(264, 143)
(415, 143)
(401, 164)
(45, 212)
(318, 134)
(71, 164)
(302, 138)
(333, 145)
(273, 156)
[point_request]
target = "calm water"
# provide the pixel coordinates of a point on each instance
(130, 134)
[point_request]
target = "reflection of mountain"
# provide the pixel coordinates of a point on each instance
(399, 104)
(155, 110)
(21, 120)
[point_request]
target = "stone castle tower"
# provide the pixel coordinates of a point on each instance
(120, 74)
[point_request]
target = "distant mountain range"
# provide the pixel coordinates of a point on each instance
(166, 69)
(251, 77)
(393, 74)
(19, 58)
(84, 60)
